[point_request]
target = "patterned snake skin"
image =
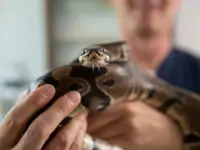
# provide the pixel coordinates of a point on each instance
(104, 75)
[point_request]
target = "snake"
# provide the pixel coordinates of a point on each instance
(104, 75)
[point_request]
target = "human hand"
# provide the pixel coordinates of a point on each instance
(13, 137)
(135, 126)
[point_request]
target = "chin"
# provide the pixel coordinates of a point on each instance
(145, 33)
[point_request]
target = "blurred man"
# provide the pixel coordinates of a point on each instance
(147, 27)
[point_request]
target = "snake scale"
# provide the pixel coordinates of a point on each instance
(104, 75)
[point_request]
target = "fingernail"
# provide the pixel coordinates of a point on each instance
(48, 90)
(74, 96)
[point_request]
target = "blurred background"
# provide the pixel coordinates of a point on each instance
(38, 35)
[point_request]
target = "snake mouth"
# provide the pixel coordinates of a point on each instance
(94, 58)
(94, 64)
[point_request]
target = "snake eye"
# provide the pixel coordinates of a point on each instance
(109, 82)
(102, 49)
(101, 55)
(84, 50)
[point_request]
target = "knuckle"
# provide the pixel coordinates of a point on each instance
(65, 106)
(62, 109)
(38, 130)
(76, 146)
(128, 108)
(39, 99)
(12, 122)
(62, 140)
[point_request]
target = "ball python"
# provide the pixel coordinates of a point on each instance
(104, 75)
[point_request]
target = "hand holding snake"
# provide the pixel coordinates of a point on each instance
(135, 126)
(12, 129)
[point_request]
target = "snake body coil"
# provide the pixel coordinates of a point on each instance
(115, 79)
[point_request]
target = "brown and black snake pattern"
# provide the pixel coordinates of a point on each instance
(120, 80)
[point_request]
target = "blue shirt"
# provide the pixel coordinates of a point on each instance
(181, 69)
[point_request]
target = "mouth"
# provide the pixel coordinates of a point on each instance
(97, 64)
(147, 4)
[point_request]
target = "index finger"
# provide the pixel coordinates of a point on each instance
(18, 116)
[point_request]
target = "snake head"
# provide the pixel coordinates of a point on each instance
(94, 56)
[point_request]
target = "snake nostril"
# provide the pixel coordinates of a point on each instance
(93, 58)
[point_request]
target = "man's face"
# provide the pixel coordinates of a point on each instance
(145, 18)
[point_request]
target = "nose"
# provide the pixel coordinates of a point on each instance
(93, 58)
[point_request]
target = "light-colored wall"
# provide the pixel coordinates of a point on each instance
(187, 30)
(23, 46)
(22, 36)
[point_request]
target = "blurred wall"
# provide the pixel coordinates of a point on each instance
(187, 32)
(23, 37)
